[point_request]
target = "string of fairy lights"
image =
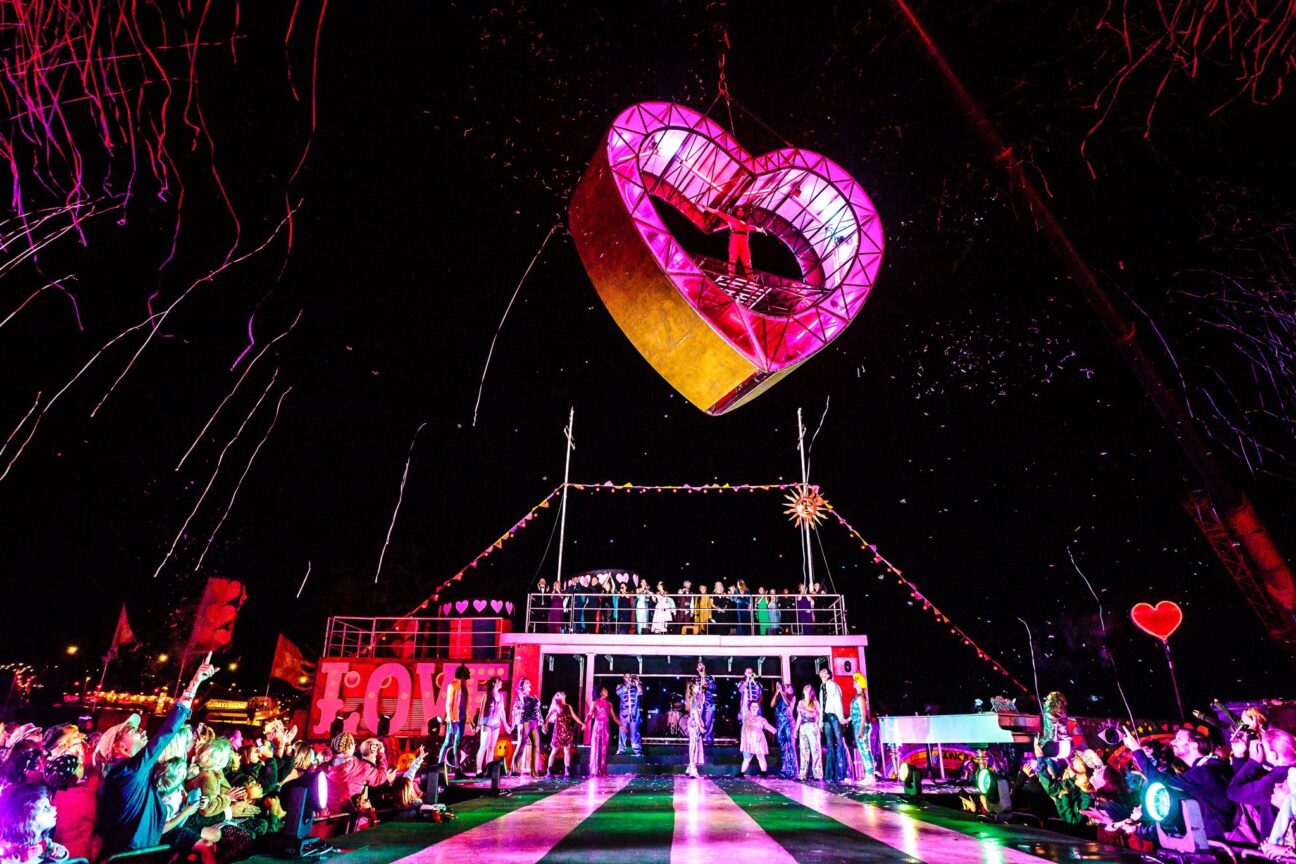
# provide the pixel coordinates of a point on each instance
(806, 505)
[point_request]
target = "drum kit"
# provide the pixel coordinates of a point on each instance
(675, 716)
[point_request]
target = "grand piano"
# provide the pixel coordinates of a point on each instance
(975, 731)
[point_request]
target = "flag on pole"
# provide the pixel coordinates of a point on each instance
(291, 665)
(217, 612)
(123, 637)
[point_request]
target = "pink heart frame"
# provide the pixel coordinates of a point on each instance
(658, 292)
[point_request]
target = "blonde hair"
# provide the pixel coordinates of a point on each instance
(407, 792)
(343, 742)
(217, 753)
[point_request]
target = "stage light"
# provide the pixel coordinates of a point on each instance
(1158, 801)
(72, 650)
(996, 793)
(162, 658)
(1178, 819)
(912, 778)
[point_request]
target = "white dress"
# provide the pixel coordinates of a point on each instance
(665, 613)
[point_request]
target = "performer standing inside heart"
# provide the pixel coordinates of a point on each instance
(739, 235)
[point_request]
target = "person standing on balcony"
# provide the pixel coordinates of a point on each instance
(775, 613)
(742, 601)
(665, 612)
(804, 612)
(628, 694)
(702, 609)
(556, 599)
(683, 606)
(641, 607)
(625, 609)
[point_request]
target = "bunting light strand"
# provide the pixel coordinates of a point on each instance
(704, 488)
(485, 553)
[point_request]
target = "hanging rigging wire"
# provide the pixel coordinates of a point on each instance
(827, 567)
(1030, 640)
(486, 368)
(1102, 623)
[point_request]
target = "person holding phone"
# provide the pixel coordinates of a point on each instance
(130, 813)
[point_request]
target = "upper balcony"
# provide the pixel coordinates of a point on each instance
(692, 615)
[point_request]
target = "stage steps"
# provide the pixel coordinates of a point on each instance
(658, 759)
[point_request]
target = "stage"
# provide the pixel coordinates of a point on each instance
(677, 819)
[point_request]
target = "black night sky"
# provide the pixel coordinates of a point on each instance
(980, 426)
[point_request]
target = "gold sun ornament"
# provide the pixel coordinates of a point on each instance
(806, 507)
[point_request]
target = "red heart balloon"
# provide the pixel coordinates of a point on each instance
(1160, 620)
(721, 335)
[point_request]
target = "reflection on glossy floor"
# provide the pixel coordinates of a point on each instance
(678, 820)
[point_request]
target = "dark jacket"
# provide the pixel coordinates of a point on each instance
(129, 814)
(1252, 786)
(1206, 783)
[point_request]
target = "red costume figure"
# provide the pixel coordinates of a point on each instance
(739, 233)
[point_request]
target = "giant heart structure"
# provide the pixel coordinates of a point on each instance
(1160, 620)
(718, 337)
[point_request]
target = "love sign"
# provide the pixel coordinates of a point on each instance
(717, 334)
(1160, 620)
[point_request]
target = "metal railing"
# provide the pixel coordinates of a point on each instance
(609, 614)
(452, 638)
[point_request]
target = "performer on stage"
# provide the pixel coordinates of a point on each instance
(706, 684)
(695, 705)
(628, 694)
(784, 705)
(600, 716)
(752, 738)
(739, 235)
(530, 724)
(834, 715)
(491, 717)
(456, 716)
(808, 735)
(749, 691)
(562, 717)
(863, 729)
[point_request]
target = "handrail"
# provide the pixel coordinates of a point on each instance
(459, 638)
(605, 613)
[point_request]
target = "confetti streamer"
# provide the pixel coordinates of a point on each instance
(219, 461)
(50, 404)
(20, 424)
(399, 498)
(304, 578)
(486, 368)
(161, 316)
(242, 477)
(237, 383)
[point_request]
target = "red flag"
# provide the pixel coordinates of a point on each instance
(217, 612)
(123, 636)
(290, 665)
